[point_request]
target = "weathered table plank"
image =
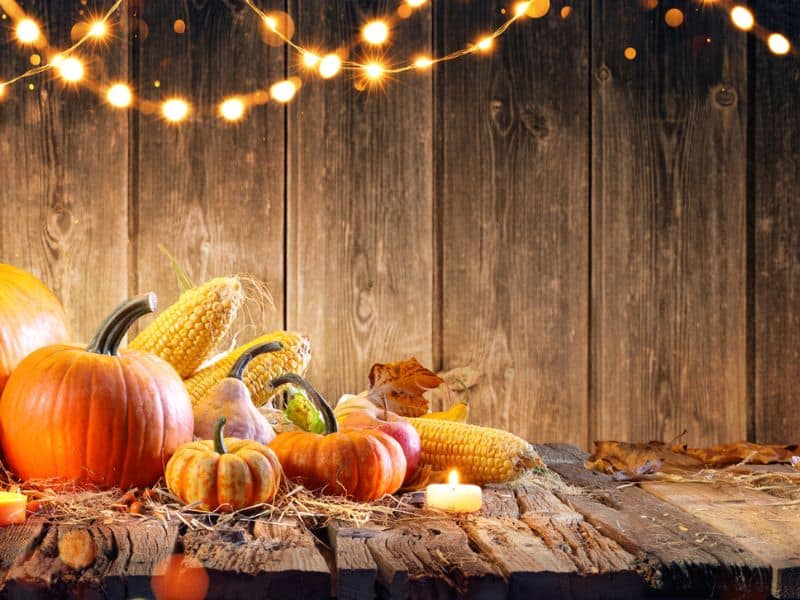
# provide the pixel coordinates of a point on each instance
(273, 560)
(768, 527)
(356, 570)
(676, 551)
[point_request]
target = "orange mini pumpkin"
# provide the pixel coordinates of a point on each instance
(227, 473)
(95, 415)
(363, 464)
(30, 317)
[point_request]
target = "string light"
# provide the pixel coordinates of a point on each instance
(27, 31)
(778, 44)
(374, 71)
(329, 66)
(271, 23)
(98, 29)
(310, 59)
(283, 91)
(423, 62)
(520, 8)
(175, 110)
(485, 44)
(742, 18)
(375, 32)
(232, 109)
(70, 68)
(415, 3)
(119, 95)
(2, 90)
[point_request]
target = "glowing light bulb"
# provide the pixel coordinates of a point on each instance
(2, 90)
(329, 66)
(415, 3)
(310, 59)
(374, 71)
(375, 32)
(271, 23)
(520, 8)
(175, 110)
(98, 29)
(70, 69)
(423, 62)
(283, 91)
(742, 18)
(27, 31)
(119, 95)
(485, 44)
(778, 44)
(232, 109)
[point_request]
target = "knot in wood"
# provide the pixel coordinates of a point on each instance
(500, 115)
(603, 74)
(534, 121)
(725, 96)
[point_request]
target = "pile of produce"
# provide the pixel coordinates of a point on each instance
(226, 431)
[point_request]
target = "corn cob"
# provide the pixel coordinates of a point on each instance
(187, 333)
(481, 454)
(293, 358)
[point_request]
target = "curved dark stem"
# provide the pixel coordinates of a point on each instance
(219, 440)
(113, 329)
(331, 426)
(237, 370)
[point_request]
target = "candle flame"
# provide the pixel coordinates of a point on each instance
(452, 478)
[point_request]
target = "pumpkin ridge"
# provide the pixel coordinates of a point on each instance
(56, 410)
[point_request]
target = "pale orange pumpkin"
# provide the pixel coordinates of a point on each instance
(95, 415)
(30, 317)
(363, 464)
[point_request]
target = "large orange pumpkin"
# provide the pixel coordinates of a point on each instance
(30, 317)
(95, 415)
(363, 464)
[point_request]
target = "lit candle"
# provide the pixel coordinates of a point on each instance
(12, 508)
(453, 496)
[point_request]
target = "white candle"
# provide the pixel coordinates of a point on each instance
(454, 496)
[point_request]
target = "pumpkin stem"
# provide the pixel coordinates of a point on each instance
(219, 439)
(331, 426)
(237, 370)
(116, 325)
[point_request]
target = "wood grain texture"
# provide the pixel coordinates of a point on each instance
(766, 526)
(776, 182)
(64, 173)
(668, 225)
(513, 192)
(360, 249)
(211, 192)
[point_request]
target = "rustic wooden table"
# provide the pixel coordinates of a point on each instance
(609, 540)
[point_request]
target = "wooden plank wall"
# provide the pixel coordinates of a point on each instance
(612, 242)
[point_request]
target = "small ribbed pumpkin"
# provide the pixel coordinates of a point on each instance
(224, 473)
(95, 415)
(364, 464)
(231, 399)
(30, 317)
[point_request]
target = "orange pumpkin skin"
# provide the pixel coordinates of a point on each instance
(30, 317)
(100, 419)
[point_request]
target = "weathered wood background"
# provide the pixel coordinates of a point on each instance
(614, 243)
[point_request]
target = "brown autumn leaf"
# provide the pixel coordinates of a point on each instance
(402, 385)
(740, 452)
(635, 460)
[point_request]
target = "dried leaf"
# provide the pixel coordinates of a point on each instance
(401, 386)
(633, 461)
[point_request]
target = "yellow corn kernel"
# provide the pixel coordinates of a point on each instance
(187, 333)
(480, 454)
(294, 358)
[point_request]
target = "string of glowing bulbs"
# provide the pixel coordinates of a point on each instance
(234, 108)
(176, 109)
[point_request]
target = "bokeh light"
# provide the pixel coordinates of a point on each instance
(175, 110)
(778, 44)
(27, 31)
(329, 66)
(119, 95)
(180, 576)
(278, 27)
(673, 17)
(742, 18)
(537, 8)
(283, 91)
(70, 69)
(375, 32)
(630, 53)
(232, 109)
